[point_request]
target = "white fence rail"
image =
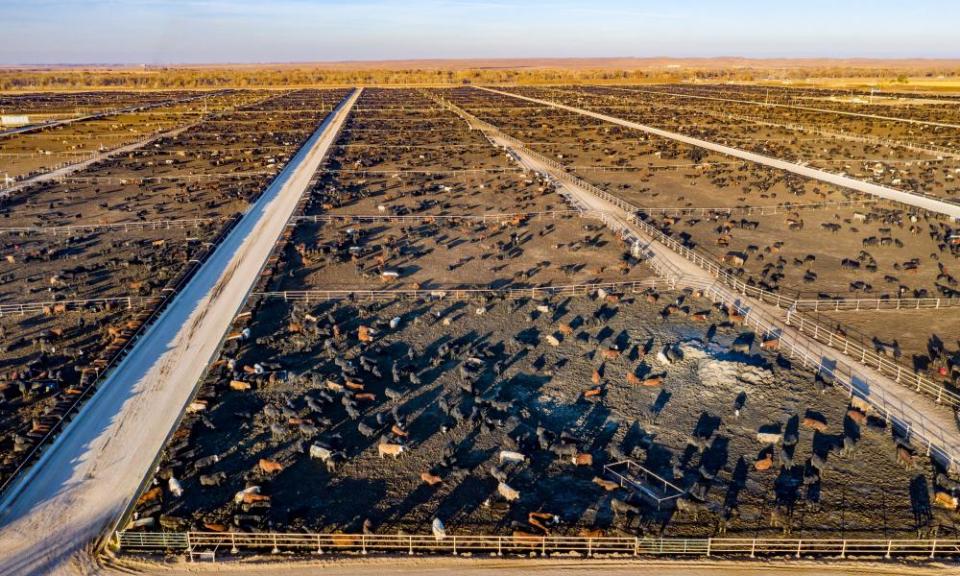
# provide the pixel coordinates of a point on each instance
(872, 304)
(467, 293)
(233, 543)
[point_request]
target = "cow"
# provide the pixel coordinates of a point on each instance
(814, 423)
(905, 457)
(269, 466)
(394, 450)
(608, 485)
(582, 459)
(511, 456)
(430, 479)
(509, 494)
(764, 463)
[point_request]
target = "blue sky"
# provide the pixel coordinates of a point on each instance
(201, 31)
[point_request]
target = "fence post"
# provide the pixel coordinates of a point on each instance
(363, 543)
(889, 547)
(499, 545)
(753, 549)
(709, 542)
(933, 548)
(800, 545)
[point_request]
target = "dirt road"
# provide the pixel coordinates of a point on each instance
(84, 481)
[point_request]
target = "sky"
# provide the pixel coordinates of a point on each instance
(254, 31)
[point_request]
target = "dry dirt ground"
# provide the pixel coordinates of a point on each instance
(456, 382)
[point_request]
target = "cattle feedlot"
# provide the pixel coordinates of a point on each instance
(678, 321)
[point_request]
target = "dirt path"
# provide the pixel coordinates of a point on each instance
(51, 518)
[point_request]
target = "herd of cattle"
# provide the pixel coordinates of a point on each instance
(502, 414)
(52, 354)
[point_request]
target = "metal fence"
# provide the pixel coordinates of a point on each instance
(466, 293)
(69, 229)
(59, 306)
(429, 218)
(234, 543)
(872, 304)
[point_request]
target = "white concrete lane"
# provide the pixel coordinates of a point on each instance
(87, 477)
(924, 202)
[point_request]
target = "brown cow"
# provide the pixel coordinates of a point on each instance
(535, 518)
(764, 463)
(653, 381)
(364, 334)
(253, 497)
(610, 354)
(430, 479)
(814, 424)
(394, 450)
(857, 416)
(771, 344)
(946, 500)
(905, 457)
(582, 459)
(608, 485)
(150, 496)
(269, 466)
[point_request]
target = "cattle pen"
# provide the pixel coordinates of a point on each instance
(208, 544)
